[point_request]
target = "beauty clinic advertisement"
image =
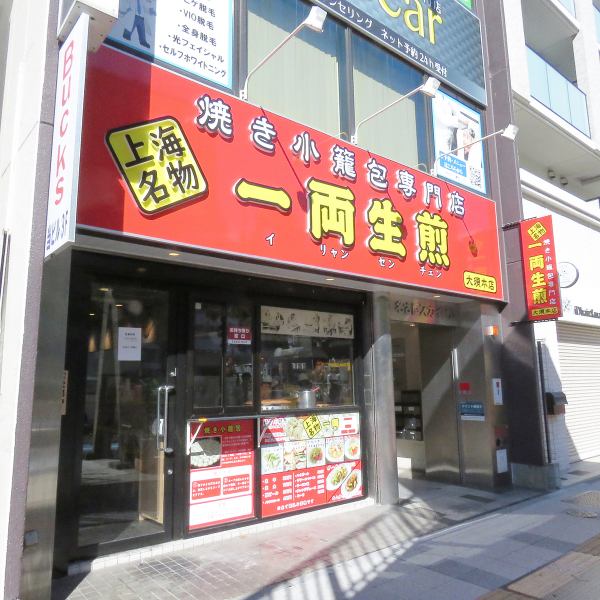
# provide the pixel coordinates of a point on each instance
(167, 159)
(308, 461)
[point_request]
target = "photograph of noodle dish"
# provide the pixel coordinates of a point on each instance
(352, 485)
(337, 476)
(315, 455)
(335, 450)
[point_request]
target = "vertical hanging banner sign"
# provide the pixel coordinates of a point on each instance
(540, 269)
(66, 141)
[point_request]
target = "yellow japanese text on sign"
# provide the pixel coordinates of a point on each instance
(157, 163)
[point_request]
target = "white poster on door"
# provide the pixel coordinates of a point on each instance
(130, 344)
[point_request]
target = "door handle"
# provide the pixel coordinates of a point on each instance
(166, 389)
(158, 419)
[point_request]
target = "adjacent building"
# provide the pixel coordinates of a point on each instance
(555, 74)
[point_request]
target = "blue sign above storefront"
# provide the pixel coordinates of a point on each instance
(440, 36)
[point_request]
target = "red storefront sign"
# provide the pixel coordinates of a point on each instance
(309, 461)
(168, 159)
(540, 269)
(221, 472)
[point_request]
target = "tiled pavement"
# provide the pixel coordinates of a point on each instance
(403, 553)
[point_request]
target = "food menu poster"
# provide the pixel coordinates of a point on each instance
(221, 472)
(194, 37)
(309, 461)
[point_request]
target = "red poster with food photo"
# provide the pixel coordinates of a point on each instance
(221, 472)
(309, 461)
(167, 159)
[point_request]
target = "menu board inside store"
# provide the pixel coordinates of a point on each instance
(308, 461)
(221, 472)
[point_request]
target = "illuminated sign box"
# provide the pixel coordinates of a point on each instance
(167, 159)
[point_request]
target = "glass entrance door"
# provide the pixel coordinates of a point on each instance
(125, 487)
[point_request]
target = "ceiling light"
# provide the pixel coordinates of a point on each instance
(173, 253)
(104, 289)
(329, 278)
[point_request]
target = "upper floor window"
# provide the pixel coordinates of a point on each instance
(380, 77)
(302, 80)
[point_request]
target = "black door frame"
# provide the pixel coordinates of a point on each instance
(66, 536)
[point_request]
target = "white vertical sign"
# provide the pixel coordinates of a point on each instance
(66, 141)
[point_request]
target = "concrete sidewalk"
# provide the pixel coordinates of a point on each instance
(404, 552)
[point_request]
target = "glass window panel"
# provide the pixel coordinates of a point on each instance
(207, 349)
(300, 81)
(238, 388)
(121, 494)
(299, 372)
(538, 78)
(579, 113)
(380, 78)
(559, 94)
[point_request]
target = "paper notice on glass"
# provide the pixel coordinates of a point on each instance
(130, 343)
(502, 460)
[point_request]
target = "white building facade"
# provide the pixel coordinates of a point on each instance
(555, 72)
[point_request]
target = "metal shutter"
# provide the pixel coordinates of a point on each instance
(579, 352)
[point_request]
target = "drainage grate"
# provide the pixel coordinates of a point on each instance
(482, 499)
(586, 499)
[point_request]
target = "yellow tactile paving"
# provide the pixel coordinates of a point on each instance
(591, 546)
(554, 576)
